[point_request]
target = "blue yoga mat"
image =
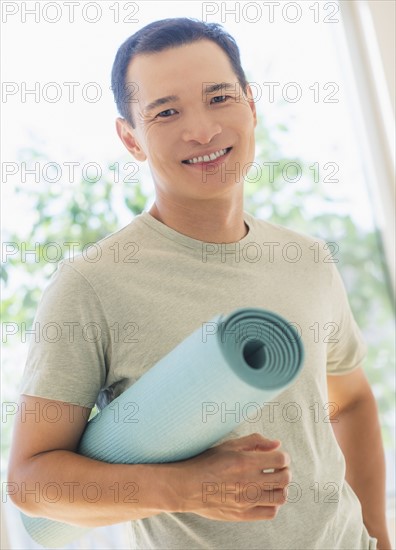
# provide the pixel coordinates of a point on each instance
(174, 411)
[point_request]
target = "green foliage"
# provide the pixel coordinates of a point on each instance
(87, 212)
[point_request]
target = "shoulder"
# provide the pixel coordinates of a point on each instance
(289, 242)
(99, 257)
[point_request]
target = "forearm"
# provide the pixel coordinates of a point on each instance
(188, 486)
(358, 433)
(65, 486)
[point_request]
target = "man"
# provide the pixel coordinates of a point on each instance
(187, 109)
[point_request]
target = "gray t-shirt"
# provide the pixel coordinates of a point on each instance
(108, 315)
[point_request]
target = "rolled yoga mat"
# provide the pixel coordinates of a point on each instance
(178, 408)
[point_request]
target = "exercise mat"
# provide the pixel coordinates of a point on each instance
(178, 408)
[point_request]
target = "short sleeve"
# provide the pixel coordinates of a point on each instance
(69, 342)
(346, 349)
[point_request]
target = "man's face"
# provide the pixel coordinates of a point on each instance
(192, 123)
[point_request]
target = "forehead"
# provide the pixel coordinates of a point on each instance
(183, 67)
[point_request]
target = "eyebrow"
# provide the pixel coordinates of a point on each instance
(169, 98)
(222, 86)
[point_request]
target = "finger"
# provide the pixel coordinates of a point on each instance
(253, 442)
(267, 445)
(274, 460)
(266, 495)
(271, 462)
(281, 478)
(273, 497)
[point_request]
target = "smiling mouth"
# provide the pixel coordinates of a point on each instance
(208, 158)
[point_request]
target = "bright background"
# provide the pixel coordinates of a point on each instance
(305, 52)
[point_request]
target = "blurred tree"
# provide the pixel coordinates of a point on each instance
(87, 212)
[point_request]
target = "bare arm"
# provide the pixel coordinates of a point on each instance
(358, 433)
(78, 490)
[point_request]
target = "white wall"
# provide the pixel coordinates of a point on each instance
(383, 13)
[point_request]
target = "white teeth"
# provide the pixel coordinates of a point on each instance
(207, 158)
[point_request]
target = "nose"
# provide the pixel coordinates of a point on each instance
(201, 127)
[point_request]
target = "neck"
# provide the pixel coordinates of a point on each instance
(208, 221)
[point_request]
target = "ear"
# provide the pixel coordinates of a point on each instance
(250, 100)
(127, 135)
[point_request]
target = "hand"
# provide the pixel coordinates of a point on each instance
(383, 542)
(227, 482)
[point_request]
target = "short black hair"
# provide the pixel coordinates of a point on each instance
(161, 35)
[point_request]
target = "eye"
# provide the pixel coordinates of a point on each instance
(163, 114)
(220, 98)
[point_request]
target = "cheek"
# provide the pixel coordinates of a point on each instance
(161, 145)
(243, 120)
